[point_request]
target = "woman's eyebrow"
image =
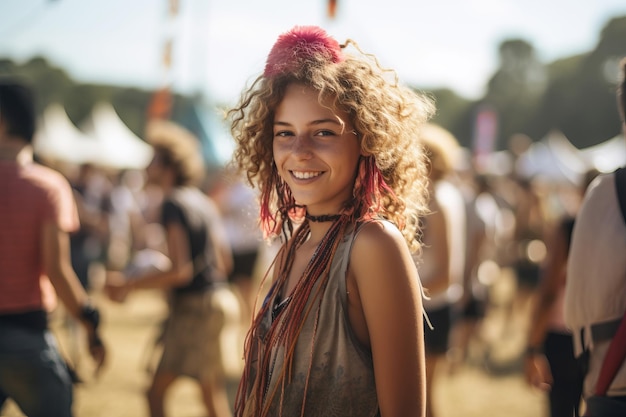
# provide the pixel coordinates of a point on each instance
(312, 123)
(279, 123)
(322, 121)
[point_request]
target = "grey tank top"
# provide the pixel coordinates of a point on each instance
(341, 381)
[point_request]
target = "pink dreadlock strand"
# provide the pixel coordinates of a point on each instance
(370, 188)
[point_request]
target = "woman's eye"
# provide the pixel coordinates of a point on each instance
(322, 133)
(325, 133)
(283, 134)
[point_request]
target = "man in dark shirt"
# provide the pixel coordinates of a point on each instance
(202, 305)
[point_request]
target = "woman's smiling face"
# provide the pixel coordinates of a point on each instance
(316, 150)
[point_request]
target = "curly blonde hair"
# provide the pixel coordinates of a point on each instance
(387, 117)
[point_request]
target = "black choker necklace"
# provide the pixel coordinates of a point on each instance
(323, 218)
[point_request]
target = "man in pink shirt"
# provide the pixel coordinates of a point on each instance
(37, 211)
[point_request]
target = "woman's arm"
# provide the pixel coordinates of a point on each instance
(386, 313)
(436, 272)
(552, 279)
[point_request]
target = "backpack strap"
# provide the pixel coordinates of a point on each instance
(613, 359)
(616, 353)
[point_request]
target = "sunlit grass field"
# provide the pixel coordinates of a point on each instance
(489, 384)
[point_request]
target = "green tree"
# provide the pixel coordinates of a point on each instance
(580, 98)
(515, 90)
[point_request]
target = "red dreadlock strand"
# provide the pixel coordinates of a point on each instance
(370, 189)
(273, 223)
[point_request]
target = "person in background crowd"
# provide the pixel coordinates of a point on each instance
(528, 242)
(127, 224)
(595, 291)
(89, 243)
(443, 260)
(37, 213)
(202, 307)
(481, 213)
(238, 204)
(549, 361)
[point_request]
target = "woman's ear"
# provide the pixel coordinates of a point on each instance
(360, 138)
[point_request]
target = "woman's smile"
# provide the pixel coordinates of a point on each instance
(306, 175)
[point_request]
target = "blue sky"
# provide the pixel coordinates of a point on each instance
(219, 46)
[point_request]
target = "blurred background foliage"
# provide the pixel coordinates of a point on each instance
(574, 95)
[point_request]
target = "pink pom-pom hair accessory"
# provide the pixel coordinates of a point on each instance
(300, 44)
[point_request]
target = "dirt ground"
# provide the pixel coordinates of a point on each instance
(489, 384)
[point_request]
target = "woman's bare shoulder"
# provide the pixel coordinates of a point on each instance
(379, 244)
(377, 235)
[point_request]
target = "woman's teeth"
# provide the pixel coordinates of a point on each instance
(305, 175)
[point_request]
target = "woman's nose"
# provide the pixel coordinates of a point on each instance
(302, 145)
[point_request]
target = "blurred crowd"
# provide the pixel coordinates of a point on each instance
(497, 226)
(484, 227)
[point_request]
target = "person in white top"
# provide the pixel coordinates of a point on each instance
(595, 292)
(239, 206)
(442, 261)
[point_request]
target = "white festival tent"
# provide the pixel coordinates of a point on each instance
(555, 158)
(104, 139)
(118, 146)
(606, 156)
(58, 139)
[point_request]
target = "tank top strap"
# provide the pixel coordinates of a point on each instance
(345, 262)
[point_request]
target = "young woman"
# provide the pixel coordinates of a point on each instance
(332, 142)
